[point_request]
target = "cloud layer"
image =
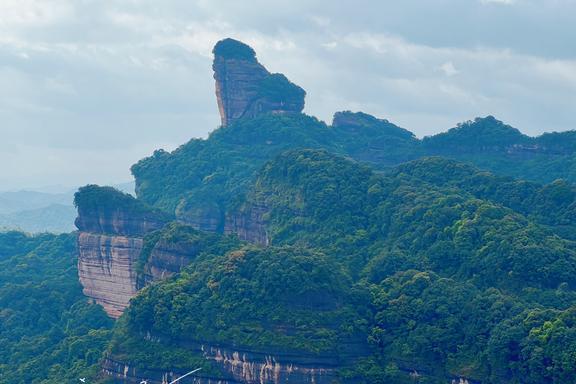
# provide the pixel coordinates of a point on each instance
(90, 87)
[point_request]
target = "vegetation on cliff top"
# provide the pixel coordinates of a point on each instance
(92, 199)
(209, 174)
(204, 177)
(428, 269)
(277, 88)
(434, 267)
(282, 299)
(233, 49)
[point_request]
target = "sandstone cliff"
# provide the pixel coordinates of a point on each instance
(112, 226)
(124, 245)
(106, 269)
(109, 211)
(249, 224)
(244, 88)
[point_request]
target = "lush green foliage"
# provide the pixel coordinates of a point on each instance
(48, 332)
(433, 266)
(185, 239)
(553, 204)
(437, 266)
(280, 298)
(230, 48)
(94, 198)
(478, 135)
(278, 88)
(204, 177)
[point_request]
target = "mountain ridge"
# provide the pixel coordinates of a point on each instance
(284, 250)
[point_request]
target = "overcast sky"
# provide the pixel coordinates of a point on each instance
(91, 86)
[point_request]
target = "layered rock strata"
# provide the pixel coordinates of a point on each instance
(111, 230)
(244, 88)
(106, 269)
(237, 366)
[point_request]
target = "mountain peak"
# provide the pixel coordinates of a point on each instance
(480, 134)
(234, 49)
(244, 88)
(357, 122)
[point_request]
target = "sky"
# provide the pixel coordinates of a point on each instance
(89, 87)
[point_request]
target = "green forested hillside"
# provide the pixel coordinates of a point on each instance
(434, 266)
(204, 177)
(284, 247)
(382, 266)
(49, 333)
(418, 269)
(208, 174)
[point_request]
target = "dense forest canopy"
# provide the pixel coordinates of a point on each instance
(282, 246)
(419, 268)
(434, 264)
(49, 333)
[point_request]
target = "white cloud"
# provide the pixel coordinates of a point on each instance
(449, 69)
(124, 76)
(32, 12)
(321, 21)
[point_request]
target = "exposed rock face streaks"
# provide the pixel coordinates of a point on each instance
(238, 367)
(112, 226)
(117, 222)
(106, 269)
(249, 224)
(268, 369)
(244, 88)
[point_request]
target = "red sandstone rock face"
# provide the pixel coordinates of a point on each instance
(244, 88)
(118, 221)
(109, 246)
(106, 266)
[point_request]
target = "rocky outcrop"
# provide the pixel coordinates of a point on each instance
(168, 256)
(109, 211)
(106, 267)
(237, 366)
(113, 268)
(117, 222)
(112, 225)
(244, 88)
(249, 224)
(119, 372)
(204, 216)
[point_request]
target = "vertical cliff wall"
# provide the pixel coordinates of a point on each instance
(244, 88)
(111, 228)
(106, 269)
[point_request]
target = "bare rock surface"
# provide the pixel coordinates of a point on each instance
(106, 268)
(244, 88)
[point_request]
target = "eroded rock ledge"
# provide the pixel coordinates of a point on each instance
(237, 367)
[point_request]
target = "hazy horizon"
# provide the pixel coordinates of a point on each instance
(92, 87)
